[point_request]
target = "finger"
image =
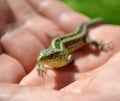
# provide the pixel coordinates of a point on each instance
(23, 46)
(59, 13)
(10, 69)
(54, 79)
(16, 92)
(19, 93)
(22, 10)
(51, 79)
(33, 22)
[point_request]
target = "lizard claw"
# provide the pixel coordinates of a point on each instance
(41, 69)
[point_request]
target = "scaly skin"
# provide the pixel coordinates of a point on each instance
(61, 47)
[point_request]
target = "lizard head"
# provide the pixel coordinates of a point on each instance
(54, 57)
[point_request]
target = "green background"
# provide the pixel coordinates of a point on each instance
(109, 10)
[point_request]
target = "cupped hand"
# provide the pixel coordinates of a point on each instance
(93, 76)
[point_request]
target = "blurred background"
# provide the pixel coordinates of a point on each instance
(109, 10)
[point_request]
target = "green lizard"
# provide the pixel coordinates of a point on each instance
(61, 47)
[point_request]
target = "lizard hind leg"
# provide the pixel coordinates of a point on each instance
(99, 45)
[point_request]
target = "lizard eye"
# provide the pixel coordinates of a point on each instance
(51, 56)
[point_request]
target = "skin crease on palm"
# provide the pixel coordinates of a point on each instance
(95, 76)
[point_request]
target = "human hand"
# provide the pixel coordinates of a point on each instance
(93, 76)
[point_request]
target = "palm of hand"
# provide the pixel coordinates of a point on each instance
(93, 74)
